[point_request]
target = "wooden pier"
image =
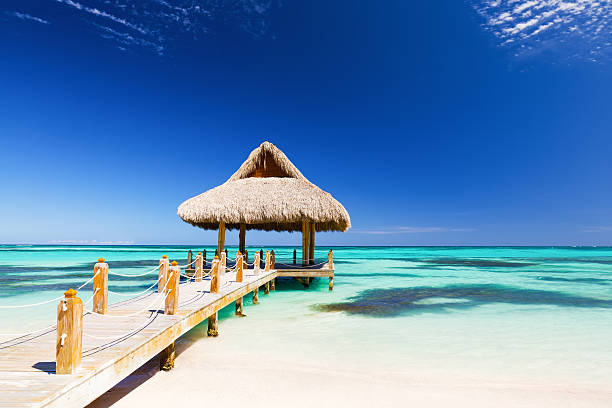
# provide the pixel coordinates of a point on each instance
(122, 337)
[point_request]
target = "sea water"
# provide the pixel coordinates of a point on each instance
(540, 316)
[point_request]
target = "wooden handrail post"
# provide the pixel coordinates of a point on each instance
(172, 289)
(256, 264)
(246, 256)
(273, 266)
(69, 345)
(261, 257)
(214, 275)
(190, 260)
(100, 287)
(203, 257)
(294, 256)
(239, 266)
(164, 264)
(199, 267)
(239, 273)
(330, 262)
(267, 264)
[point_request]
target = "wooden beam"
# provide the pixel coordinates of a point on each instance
(69, 345)
(221, 241)
(305, 231)
(311, 249)
(241, 245)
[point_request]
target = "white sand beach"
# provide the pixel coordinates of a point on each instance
(226, 371)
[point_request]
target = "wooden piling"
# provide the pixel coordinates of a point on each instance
(203, 257)
(256, 296)
(69, 345)
(330, 262)
(189, 260)
(172, 289)
(166, 358)
(164, 264)
(305, 231)
(260, 256)
(311, 247)
(214, 275)
(294, 257)
(100, 287)
(199, 267)
(213, 325)
(239, 307)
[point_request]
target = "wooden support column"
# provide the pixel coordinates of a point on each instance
(69, 345)
(242, 237)
(100, 287)
(166, 358)
(311, 249)
(330, 261)
(213, 325)
(163, 272)
(256, 296)
(305, 232)
(221, 240)
(172, 289)
(199, 266)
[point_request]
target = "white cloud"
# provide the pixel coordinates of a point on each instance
(103, 14)
(597, 229)
(25, 16)
(580, 27)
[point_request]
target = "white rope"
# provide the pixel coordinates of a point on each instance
(133, 275)
(46, 301)
(141, 310)
(147, 322)
(191, 263)
(135, 294)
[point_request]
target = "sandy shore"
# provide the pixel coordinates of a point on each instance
(229, 370)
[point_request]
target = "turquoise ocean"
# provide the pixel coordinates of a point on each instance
(529, 315)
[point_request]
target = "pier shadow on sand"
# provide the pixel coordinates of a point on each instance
(396, 301)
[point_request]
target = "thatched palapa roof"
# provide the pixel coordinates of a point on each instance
(266, 193)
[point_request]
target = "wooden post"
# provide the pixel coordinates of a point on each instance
(163, 273)
(214, 275)
(216, 252)
(221, 241)
(260, 256)
(305, 231)
(273, 266)
(199, 266)
(203, 257)
(213, 325)
(311, 249)
(256, 296)
(166, 358)
(256, 264)
(267, 285)
(239, 267)
(330, 262)
(242, 236)
(294, 256)
(190, 260)
(246, 256)
(69, 345)
(226, 253)
(100, 287)
(172, 289)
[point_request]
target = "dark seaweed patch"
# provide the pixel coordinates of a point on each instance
(395, 301)
(576, 280)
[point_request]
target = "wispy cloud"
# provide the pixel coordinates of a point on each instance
(103, 14)
(89, 242)
(597, 229)
(409, 230)
(578, 28)
(24, 16)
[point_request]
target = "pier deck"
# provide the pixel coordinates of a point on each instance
(137, 332)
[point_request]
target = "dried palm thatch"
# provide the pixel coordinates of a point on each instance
(266, 193)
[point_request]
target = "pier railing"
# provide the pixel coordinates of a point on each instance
(71, 308)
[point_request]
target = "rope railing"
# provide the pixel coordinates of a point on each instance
(129, 275)
(136, 294)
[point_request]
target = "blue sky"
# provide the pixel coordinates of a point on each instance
(434, 123)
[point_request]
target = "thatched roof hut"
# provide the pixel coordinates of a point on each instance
(266, 193)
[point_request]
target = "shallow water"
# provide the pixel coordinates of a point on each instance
(534, 315)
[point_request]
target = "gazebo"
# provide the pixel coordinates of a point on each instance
(267, 193)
